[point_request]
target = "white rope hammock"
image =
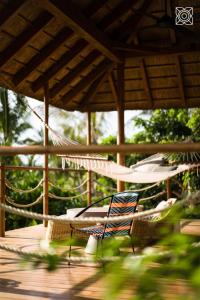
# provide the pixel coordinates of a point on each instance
(101, 165)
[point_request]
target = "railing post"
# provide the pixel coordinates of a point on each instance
(2, 200)
(168, 182)
(89, 173)
(46, 160)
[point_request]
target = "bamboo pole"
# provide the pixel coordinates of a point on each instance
(168, 188)
(89, 173)
(2, 200)
(120, 140)
(123, 148)
(46, 171)
(120, 119)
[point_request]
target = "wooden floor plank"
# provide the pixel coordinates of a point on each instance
(77, 282)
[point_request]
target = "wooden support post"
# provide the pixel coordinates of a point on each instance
(120, 117)
(46, 169)
(2, 200)
(168, 181)
(89, 174)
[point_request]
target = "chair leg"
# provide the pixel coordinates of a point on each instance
(70, 246)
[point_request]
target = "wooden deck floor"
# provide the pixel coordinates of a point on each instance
(77, 282)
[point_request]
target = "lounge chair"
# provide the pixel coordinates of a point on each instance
(120, 204)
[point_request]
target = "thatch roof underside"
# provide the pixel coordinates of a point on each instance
(98, 55)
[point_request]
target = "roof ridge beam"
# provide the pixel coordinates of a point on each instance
(82, 25)
(116, 13)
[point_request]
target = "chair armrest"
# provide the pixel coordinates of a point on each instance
(86, 208)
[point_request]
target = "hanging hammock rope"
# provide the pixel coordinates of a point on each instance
(145, 188)
(11, 201)
(11, 187)
(68, 197)
(69, 190)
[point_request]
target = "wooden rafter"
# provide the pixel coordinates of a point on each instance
(94, 7)
(64, 60)
(44, 53)
(10, 11)
(117, 12)
(82, 25)
(92, 91)
(180, 80)
(145, 80)
(88, 79)
(171, 31)
(64, 34)
(24, 38)
(66, 80)
(131, 24)
(142, 51)
(113, 87)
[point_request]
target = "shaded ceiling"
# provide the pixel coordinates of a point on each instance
(98, 55)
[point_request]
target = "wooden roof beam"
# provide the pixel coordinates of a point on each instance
(24, 38)
(82, 25)
(94, 7)
(113, 86)
(52, 46)
(44, 53)
(142, 51)
(66, 80)
(146, 82)
(10, 11)
(116, 13)
(180, 80)
(64, 60)
(92, 91)
(88, 79)
(131, 24)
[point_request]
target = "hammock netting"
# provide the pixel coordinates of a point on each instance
(149, 170)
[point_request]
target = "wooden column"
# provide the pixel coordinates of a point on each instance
(120, 119)
(168, 187)
(2, 200)
(89, 173)
(46, 169)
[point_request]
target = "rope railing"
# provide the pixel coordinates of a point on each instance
(11, 187)
(12, 202)
(145, 188)
(191, 199)
(69, 190)
(152, 197)
(67, 197)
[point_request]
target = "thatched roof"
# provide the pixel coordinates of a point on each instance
(86, 49)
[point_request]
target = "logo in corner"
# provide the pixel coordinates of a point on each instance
(184, 15)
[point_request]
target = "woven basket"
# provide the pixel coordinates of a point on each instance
(57, 230)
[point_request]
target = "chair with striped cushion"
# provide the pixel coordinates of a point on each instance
(121, 204)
